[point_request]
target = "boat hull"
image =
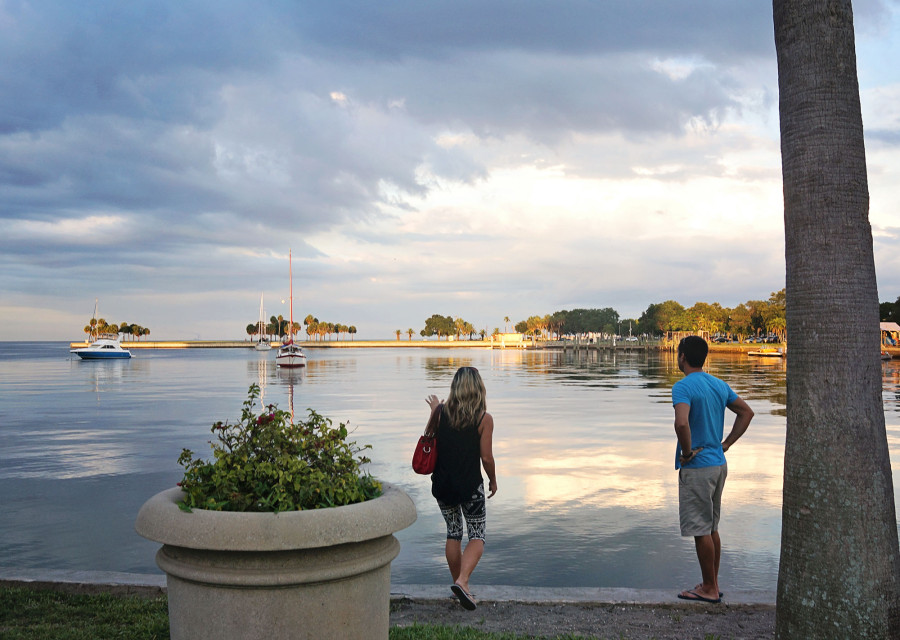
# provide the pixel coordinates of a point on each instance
(290, 356)
(102, 349)
(292, 361)
(96, 355)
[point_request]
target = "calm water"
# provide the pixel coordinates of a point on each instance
(584, 446)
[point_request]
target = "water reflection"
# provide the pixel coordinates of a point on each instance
(439, 367)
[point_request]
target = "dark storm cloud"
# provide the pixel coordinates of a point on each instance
(397, 30)
(156, 61)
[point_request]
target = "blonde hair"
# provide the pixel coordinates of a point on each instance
(466, 401)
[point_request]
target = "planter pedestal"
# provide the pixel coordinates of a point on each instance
(323, 573)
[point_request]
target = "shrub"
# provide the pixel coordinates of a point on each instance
(265, 462)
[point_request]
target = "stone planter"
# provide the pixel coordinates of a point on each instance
(324, 573)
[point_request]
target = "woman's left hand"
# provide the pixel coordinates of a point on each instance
(433, 401)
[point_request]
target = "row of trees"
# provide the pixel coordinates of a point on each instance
(890, 311)
(96, 326)
(754, 317)
(279, 327)
(445, 326)
(749, 318)
(576, 321)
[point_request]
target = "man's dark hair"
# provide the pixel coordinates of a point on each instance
(694, 349)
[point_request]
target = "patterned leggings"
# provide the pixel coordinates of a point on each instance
(474, 513)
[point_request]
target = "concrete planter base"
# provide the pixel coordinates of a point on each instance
(302, 574)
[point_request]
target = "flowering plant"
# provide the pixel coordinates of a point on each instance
(265, 462)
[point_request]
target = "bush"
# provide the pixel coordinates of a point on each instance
(267, 463)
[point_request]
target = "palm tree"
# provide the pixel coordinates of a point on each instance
(352, 331)
(505, 324)
(252, 329)
(410, 333)
(839, 574)
(398, 334)
(459, 325)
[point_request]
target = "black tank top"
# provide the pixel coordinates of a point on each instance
(457, 472)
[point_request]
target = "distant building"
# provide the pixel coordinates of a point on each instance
(503, 340)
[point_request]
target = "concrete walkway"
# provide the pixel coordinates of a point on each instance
(152, 585)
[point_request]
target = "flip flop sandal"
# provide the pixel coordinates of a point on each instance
(465, 599)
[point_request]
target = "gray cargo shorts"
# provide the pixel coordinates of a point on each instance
(700, 499)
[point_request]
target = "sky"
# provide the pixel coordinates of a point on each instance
(481, 160)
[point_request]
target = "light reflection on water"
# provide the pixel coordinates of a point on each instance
(584, 447)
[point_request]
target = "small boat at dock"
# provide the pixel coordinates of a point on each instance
(767, 352)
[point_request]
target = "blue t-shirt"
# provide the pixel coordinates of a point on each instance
(707, 396)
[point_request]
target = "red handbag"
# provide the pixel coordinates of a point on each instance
(425, 455)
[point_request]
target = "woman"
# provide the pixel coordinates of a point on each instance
(464, 430)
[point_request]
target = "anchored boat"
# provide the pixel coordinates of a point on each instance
(290, 354)
(105, 347)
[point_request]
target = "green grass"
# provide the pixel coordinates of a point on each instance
(27, 614)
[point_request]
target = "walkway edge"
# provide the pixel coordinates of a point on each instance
(153, 585)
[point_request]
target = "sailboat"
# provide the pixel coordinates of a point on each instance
(263, 344)
(290, 354)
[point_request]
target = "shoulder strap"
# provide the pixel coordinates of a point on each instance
(434, 420)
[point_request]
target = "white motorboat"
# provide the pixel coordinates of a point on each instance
(290, 354)
(105, 347)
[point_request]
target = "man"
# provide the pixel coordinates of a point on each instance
(700, 400)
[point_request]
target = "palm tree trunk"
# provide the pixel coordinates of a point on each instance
(839, 575)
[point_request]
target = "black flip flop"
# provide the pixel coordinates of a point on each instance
(465, 599)
(696, 597)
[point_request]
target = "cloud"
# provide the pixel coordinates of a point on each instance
(508, 157)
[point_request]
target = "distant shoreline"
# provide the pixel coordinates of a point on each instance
(335, 344)
(433, 344)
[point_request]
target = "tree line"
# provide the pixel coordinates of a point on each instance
(749, 318)
(445, 326)
(890, 311)
(753, 317)
(98, 326)
(280, 327)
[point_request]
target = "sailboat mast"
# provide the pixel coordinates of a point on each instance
(291, 280)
